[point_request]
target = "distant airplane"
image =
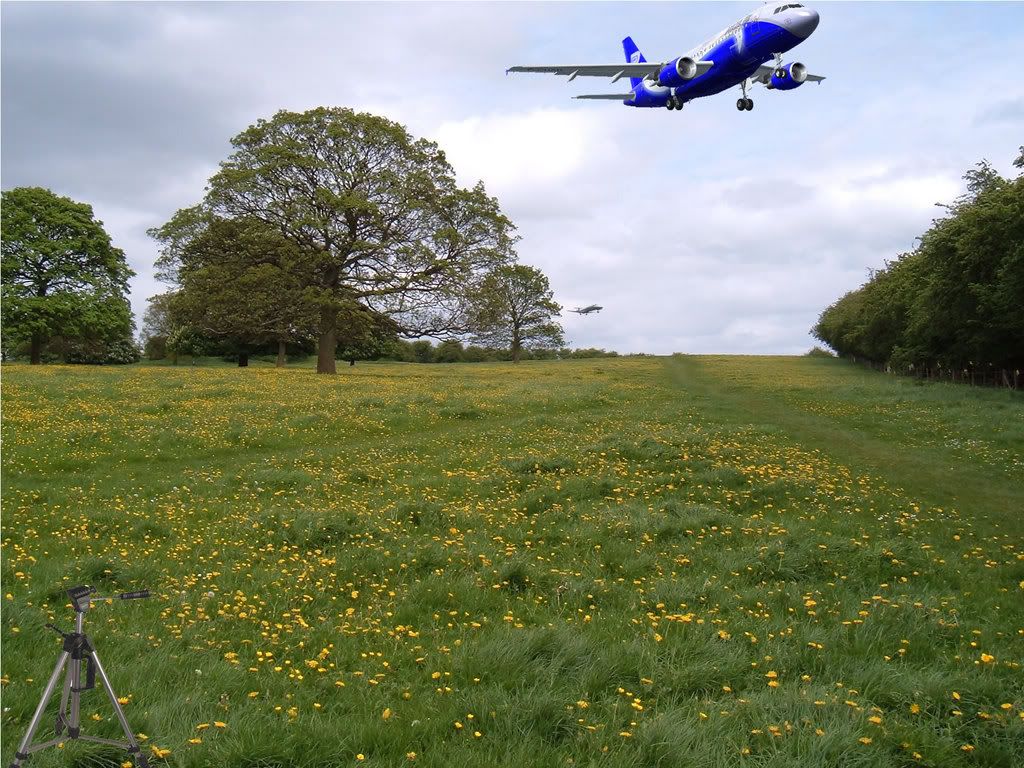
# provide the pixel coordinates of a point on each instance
(587, 310)
(735, 56)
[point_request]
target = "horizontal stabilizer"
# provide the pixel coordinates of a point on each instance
(609, 96)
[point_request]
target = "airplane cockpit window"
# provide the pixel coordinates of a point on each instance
(786, 8)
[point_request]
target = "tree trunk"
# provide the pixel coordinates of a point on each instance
(243, 359)
(352, 362)
(516, 349)
(280, 354)
(328, 343)
(36, 354)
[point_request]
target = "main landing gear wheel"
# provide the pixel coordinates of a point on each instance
(744, 104)
(673, 103)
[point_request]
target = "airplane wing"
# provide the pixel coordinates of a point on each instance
(609, 96)
(763, 75)
(648, 70)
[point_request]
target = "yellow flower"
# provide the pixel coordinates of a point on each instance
(158, 752)
(987, 658)
(864, 739)
(202, 726)
(219, 724)
(967, 747)
(386, 714)
(360, 756)
(915, 708)
(195, 740)
(956, 696)
(410, 755)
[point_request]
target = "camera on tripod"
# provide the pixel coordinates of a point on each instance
(78, 648)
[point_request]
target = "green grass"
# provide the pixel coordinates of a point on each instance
(587, 562)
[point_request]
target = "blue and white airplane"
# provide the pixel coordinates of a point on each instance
(735, 56)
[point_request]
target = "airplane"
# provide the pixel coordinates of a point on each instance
(587, 310)
(735, 56)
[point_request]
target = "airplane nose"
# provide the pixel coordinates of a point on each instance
(804, 22)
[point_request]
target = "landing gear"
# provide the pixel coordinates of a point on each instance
(744, 103)
(673, 102)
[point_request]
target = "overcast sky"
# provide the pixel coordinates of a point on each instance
(706, 230)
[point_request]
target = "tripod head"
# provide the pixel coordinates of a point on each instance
(80, 597)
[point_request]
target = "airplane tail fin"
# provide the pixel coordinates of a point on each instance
(633, 56)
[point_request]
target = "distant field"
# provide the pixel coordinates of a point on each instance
(707, 561)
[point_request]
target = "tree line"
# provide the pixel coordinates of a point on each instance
(327, 227)
(953, 304)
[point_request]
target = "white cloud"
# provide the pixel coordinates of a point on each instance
(510, 152)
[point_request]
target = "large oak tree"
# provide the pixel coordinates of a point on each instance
(61, 275)
(376, 216)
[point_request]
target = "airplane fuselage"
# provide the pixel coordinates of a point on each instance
(737, 52)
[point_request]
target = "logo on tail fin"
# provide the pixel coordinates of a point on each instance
(633, 56)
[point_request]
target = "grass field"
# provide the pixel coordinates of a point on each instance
(634, 562)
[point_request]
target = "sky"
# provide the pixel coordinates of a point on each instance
(702, 231)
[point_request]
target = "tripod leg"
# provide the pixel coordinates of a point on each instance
(62, 713)
(75, 673)
(21, 754)
(135, 749)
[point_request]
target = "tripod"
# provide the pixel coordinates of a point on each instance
(78, 647)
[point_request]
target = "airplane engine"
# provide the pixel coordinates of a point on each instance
(788, 77)
(677, 72)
